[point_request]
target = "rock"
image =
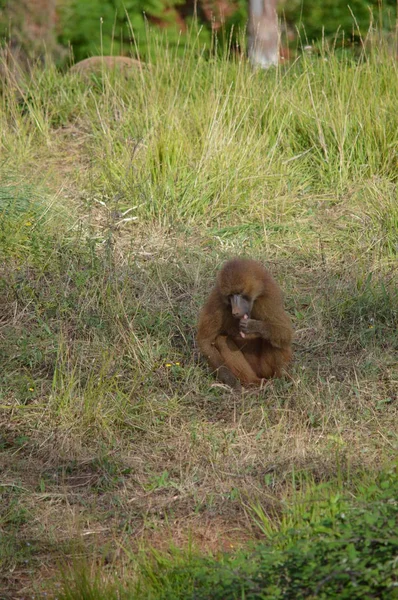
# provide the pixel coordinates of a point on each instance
(96, 64)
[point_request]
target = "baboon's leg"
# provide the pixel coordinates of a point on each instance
(235, 360)
(272, 361)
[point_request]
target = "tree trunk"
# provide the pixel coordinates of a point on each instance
(263, 33)
(40, 19)
(30, 25)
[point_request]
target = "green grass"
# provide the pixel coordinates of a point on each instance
(324, 546)
(119, 200)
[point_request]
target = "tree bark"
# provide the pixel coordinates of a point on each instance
(40, 19)
(31, 25)
(263, 33)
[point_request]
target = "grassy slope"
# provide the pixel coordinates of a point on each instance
(119, 200)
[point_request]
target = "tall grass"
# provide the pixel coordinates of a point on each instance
(119, 200)
(193, 138)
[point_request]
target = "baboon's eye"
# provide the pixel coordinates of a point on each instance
(246, 298)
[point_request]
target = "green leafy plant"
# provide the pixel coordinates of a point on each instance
(115, 27)
(348, 550)
(332, 16)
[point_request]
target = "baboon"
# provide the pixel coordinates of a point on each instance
(243, 331)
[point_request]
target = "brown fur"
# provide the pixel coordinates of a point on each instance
(266, 348)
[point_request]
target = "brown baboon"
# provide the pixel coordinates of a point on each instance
(244, 332)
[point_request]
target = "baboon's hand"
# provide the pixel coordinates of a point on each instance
(247, 326)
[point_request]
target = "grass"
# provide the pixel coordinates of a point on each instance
(119, 200)
(324, 547)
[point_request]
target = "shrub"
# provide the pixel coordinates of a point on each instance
(352, 556)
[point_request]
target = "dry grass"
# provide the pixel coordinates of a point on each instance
(113, 434)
